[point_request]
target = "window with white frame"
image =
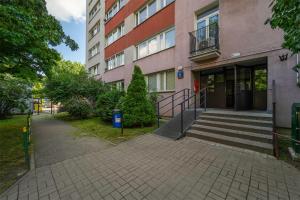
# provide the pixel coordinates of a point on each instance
(94, 70)
(115, 8)
(157, 43)
(94, 30)
(115, 61)
(161, 81)
(94, 50)
(94, 10)
(115, 35)
(150, 9)
(118, 85)
(206, 24)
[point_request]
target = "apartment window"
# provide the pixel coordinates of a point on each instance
(150, 9)
(115, 9)
(94, 30)
(206, 24)
(161, 82)
(115, 35)
(94, 10)
(118, 85)
(159, 42)
(94, 50)
(93, 70)
(115, 61)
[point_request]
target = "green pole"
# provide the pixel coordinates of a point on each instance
(296, 126)
(26, 146)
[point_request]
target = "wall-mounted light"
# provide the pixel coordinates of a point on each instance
(283, 57)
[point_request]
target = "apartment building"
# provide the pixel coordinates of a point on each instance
(225, 45)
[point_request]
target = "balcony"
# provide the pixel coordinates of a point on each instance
(204, 43)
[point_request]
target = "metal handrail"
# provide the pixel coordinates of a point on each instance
(173, 95)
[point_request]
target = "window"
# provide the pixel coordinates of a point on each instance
(94, 30)
(115, 35)
(94, 50)
(206, 24)
(115, 61)
(170, 38)
(161, 82)
(118, 85)
(93, 70)
(159, 42)
(150, 9)
(115, 9)
(94, 10)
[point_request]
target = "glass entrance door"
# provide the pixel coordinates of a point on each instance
(243, 88)
(260, 88)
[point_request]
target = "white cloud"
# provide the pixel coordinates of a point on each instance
(67, 10)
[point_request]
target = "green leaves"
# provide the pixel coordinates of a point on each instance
(286, 16)
(136, 105)
(27, 33)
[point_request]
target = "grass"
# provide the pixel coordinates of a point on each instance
(11, 150)
(97, 128)
(283, 147)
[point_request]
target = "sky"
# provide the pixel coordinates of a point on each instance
(71, 14)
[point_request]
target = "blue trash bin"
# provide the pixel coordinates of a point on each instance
(117, 118)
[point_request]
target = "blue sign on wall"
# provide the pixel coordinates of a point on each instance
(180, 74)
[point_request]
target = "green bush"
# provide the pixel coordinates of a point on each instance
(136, 105)
(106, 102)
(78, 107)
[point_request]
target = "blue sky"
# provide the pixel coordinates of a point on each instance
(77, 32)
(71, 14)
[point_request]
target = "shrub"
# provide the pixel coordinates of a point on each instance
(78, 107)
(14, 94)
(106, 102)
(136, 105)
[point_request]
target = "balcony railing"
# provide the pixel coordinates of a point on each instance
(204, 40)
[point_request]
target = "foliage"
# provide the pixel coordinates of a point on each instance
(107, 102)
(78, 107)
(68, 80)
(14, 93)
(95, 127)
(136, 105)
(286, 16)
(27, 35)
(11, 150)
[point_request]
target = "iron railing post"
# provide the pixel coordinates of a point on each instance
(181, 118)
(158, 114)
(205, 98)
(195, 106)
(184, 96)
(188, 101)
(172, 105)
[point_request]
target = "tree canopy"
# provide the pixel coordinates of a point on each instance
(286, 16)
(27, 37)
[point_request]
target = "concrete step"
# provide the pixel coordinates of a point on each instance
(232, 141)
(238, 120)
(266, 138)
(241, 115)
(235, 126)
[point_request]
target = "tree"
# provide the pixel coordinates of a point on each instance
(286, 16)
(68, 80)
(14, 94)
(136, 106)
(27, 35)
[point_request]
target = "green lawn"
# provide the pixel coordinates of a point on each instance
(95, 127)
(11, 150)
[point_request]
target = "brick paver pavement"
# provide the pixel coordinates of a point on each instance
(152, 167)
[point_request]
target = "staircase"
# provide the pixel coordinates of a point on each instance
(249, 130)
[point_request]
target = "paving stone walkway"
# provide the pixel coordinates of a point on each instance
(54, 141)
(152, 167)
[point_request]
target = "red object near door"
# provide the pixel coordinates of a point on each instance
(196, 86)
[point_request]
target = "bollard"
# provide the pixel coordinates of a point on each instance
(26, 146)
